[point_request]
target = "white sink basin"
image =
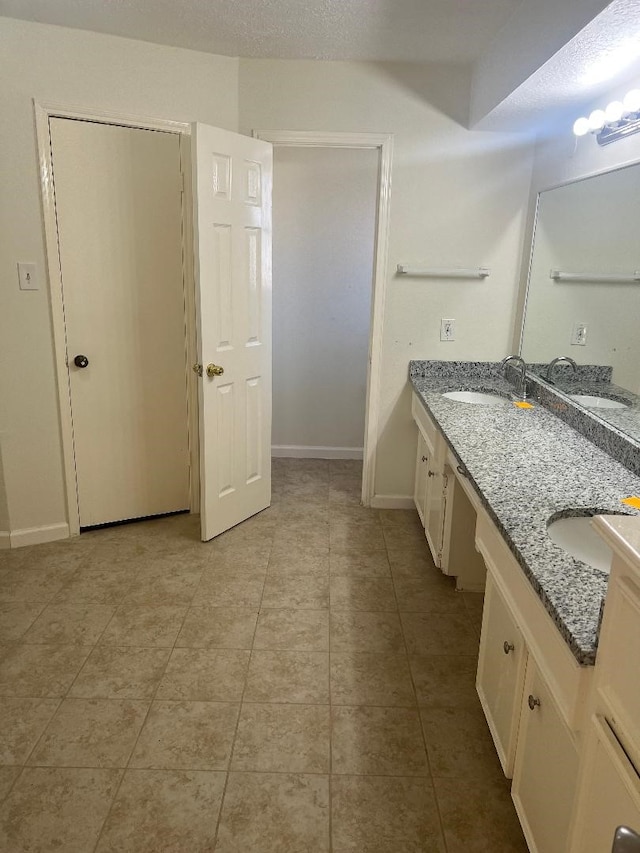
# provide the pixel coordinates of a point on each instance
(478, 398)
(578, 538)
(592, 402)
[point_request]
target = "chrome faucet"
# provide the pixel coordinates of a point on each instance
(557, 361)
(521, 387)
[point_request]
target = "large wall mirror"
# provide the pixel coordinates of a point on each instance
(583, 297)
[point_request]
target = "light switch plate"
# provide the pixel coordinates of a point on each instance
(579, 335)
(27, 276)
(447, 329)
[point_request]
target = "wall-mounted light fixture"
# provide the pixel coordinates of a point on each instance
(619, 119)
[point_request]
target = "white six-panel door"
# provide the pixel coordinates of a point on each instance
(232, 179)
(119, 219)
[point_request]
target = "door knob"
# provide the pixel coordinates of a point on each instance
(81, 361)
(214, 370)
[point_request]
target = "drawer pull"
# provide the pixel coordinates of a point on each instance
(425, 458)
(431, 473)
(534, 702)
(462, 470)
(508, 647)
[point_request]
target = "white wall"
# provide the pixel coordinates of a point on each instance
(458, 198)
(73, 68)
(324, 216)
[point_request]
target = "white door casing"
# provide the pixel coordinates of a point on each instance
(118, 207)
(232, 180)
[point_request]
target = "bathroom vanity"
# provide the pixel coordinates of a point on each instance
(491, 476)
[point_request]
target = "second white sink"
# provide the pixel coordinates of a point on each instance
(577, 537)
(592, 402)
(479, 398)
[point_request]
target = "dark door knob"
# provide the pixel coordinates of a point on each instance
(81, 361)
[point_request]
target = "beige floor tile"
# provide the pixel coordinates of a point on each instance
(218, 627)
(314, 537)
(91, 733)
(397, 537)
(377, 814)
(459, 744)
(303, 592)
(346, 534)
(377, 741)
(56, 809)
(120, 672)
(474, 602)
(174, 811)
(293, 630)
(245, 546)
(207, 675)
(8, 776)
(307, 490)
(164, 583)
(439, 634)
(33, 584)
(479, 818)
(70, 623)
(429, 595)
(16, 617)
(354, 515)
(295, 547)
(415, 562)
(340, 467)
(371, 679)
(300, 561)
(352, 631)
(445, 681)
(186, 735)
(22, 721)
(246, 558)
(96, 586)
(274, 813)
(359, 562)
(345, 490)
(282, 738)
(135, 625)
(407, 519)
(288, 677)
(40, 671)
(370, 594)
(220, 589)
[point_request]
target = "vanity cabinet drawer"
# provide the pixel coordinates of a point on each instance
(546, 768)
(609, 792)
(500, 679)
(426, 424)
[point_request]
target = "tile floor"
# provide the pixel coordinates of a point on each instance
(304, 683)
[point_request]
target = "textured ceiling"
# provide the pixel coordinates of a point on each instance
(373, 30)
(599, 59)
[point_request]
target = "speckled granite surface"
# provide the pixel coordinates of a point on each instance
(527, 466)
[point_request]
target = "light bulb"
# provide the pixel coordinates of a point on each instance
(614, 111)
(631, 101)
(581, 126)
(597, 120)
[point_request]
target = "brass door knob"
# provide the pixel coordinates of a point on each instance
(214, 370)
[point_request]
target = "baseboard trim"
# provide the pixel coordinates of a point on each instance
(392, 502)
(298, 451)
(38, 535)
(5, 539)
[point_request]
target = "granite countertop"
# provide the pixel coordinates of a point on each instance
(527, 466)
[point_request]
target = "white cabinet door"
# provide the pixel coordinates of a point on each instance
(609, 794)
(420, 485)
(501, 668)
(232, 177)
(546, 767)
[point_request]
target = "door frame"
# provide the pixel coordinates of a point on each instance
(383, 142)
(43, 111)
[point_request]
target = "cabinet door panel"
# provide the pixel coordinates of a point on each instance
(546, 767)
(609, 794)
(500, 678)
(420, 485)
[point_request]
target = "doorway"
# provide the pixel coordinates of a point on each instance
(117, 197)
(323, 370)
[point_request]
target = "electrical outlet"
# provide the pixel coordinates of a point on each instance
(447, 330)
(579, 335)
